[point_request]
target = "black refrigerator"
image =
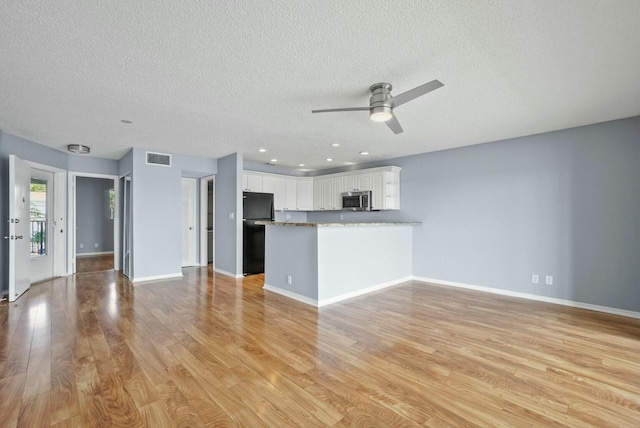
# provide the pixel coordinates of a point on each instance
(255, 206)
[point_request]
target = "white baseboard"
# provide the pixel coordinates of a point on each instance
(356, 293)
(157, 277)
(335, 299)
(574, 304)
(291, 295)
(99, 253)
(232, 275)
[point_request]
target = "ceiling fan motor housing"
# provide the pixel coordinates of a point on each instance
(381, 92)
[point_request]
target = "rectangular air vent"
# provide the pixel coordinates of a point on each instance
(158, 159)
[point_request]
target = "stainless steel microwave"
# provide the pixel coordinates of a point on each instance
(356, 201)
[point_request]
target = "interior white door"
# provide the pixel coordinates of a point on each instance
(41, 221)
(19, 239)
(188, 222)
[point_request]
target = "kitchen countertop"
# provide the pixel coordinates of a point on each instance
(336, 224)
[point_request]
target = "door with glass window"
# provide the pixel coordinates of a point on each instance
(40, 225)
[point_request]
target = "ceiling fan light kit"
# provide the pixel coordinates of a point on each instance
(382, 103)
(79, 149)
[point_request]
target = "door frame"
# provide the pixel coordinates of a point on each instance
(204, 233)
(125, 233)
(59, 242)
(71, 226)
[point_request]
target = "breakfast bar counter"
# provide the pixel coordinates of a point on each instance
(324, 263)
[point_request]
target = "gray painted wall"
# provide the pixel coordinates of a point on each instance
(157, 212)
(563, 203)
(228, 233)
(93, 223)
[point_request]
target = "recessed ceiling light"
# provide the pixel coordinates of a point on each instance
(79, 149)
(301, 164)
(126, 121)
(349, 163)
(273, 160)
(364, 153)
(335, 145)
(329, 160)
(262, 150)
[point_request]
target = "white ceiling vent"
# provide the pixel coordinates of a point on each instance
(158, 159)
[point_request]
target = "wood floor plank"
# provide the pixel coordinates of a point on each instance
(92, 350)
(11, 389)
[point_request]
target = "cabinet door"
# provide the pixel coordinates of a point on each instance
(327, 194)
(318, 201)
(245, 185)
(350, 182)
(279, 194)
(305, 195)
(290, 194)
(338, 188)
(254, 183)
(267, 184)
(364, 181)
(377, 191)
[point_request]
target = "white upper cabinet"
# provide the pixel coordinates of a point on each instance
(252, 182)
(338, 189)
(357, 181)
(318, 201)
(305, 194)
(327, 194)
(268, 184)
(278, 194)
(290, 194)
(324, 193)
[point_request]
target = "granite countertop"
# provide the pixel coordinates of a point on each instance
(336, 224)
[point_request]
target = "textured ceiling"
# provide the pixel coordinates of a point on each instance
(209, 78)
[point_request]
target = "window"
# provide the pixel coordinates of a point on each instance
(112, 204)
(38, 217)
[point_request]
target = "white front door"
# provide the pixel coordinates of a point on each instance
(188, 222)
(19, 236)
(41, 236)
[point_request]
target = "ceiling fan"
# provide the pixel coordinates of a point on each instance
(381, 103)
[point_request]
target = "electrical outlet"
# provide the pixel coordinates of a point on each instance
(289, 279)
(535, 279)
(232, 216)
(548, 280)
(288, 216)
(97, 245)
(341, 216)
(81, 245)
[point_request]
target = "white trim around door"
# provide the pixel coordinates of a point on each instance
(204, 219)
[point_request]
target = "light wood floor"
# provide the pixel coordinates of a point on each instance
(94, 263)
(92, 350)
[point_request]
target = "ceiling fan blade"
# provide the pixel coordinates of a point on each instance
(411, 94)
(394, 125)
(341, 109)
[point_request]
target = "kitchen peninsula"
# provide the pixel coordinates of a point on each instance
(324, 263)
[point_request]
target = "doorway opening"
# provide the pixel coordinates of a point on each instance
(94, 221)
(207, 222)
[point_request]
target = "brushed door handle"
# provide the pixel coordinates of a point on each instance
(18, 236)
